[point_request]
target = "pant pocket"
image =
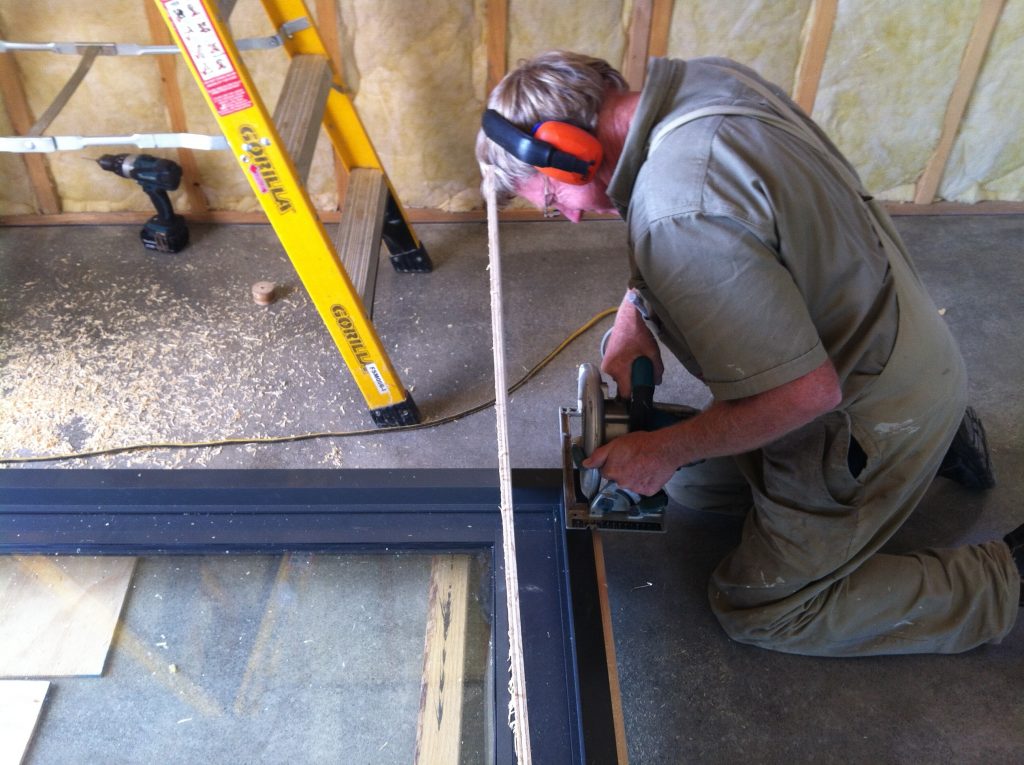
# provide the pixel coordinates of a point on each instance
(810, 468)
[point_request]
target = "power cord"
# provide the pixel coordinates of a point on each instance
(326, 434)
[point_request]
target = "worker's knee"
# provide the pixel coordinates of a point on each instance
(773, 626)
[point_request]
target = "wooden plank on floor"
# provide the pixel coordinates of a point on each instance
(621, 751)
(59, 613)
(20, 704)
(439, 728)
(604, 737)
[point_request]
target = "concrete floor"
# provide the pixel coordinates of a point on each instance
(104, 345)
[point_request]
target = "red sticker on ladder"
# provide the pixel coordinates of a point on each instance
(203, 45)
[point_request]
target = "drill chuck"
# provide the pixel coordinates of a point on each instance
(116, 164)
(155, 172)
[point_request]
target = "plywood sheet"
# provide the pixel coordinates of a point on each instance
(20, 702)
(59, 613)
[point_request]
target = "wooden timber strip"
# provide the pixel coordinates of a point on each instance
(425, 215)
(638, 41)
(817, 34)
(497, 42)
(970, 66)
(661, 24)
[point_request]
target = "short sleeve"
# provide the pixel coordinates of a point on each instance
(724, 293)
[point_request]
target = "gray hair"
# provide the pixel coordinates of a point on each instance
(558, 85)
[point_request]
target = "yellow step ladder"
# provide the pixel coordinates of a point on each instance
(275, 153)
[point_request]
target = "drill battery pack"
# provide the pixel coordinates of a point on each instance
(165, 235)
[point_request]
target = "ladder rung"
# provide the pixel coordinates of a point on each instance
(359, 235)
(300, 109)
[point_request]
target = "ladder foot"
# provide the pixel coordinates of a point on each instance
(413, 261)
(402, 413)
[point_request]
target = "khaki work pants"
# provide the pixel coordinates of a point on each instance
(807, 576)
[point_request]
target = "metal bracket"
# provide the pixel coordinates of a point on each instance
(46, 143)
(288, 29)
(36, 143)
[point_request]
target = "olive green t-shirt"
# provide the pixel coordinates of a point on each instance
(757, 260)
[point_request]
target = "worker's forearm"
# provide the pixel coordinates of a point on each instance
(734, 427)
(629, 339)
(643, 462)
(627, 318)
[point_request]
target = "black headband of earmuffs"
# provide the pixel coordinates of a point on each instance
(528, 149)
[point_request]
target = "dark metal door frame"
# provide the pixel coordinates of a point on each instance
(195, 511)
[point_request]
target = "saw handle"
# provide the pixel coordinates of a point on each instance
(641, 399)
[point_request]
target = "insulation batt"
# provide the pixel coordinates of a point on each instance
(417, 75)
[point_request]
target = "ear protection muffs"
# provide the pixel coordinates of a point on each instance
(560, 150)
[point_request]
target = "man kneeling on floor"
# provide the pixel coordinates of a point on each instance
(839, 393)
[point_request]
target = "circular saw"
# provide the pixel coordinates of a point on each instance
(590, 499)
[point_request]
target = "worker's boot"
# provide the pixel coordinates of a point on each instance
(1015, 541)
(967, 462)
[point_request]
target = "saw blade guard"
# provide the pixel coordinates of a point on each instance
(591, 409)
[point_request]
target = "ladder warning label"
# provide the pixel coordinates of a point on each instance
(203, 45)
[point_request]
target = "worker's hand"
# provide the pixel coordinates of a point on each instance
(630, 339)
(635, 461)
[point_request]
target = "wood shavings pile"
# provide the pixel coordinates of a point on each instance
(89, 364)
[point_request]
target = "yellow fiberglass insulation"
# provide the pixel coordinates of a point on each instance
(417, 75)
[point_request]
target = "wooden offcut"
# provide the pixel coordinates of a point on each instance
(59, 613)
(439, 728)
(20, 704)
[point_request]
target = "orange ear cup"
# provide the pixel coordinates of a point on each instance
(572, 140)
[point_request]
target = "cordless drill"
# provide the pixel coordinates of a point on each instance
(165, 231)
